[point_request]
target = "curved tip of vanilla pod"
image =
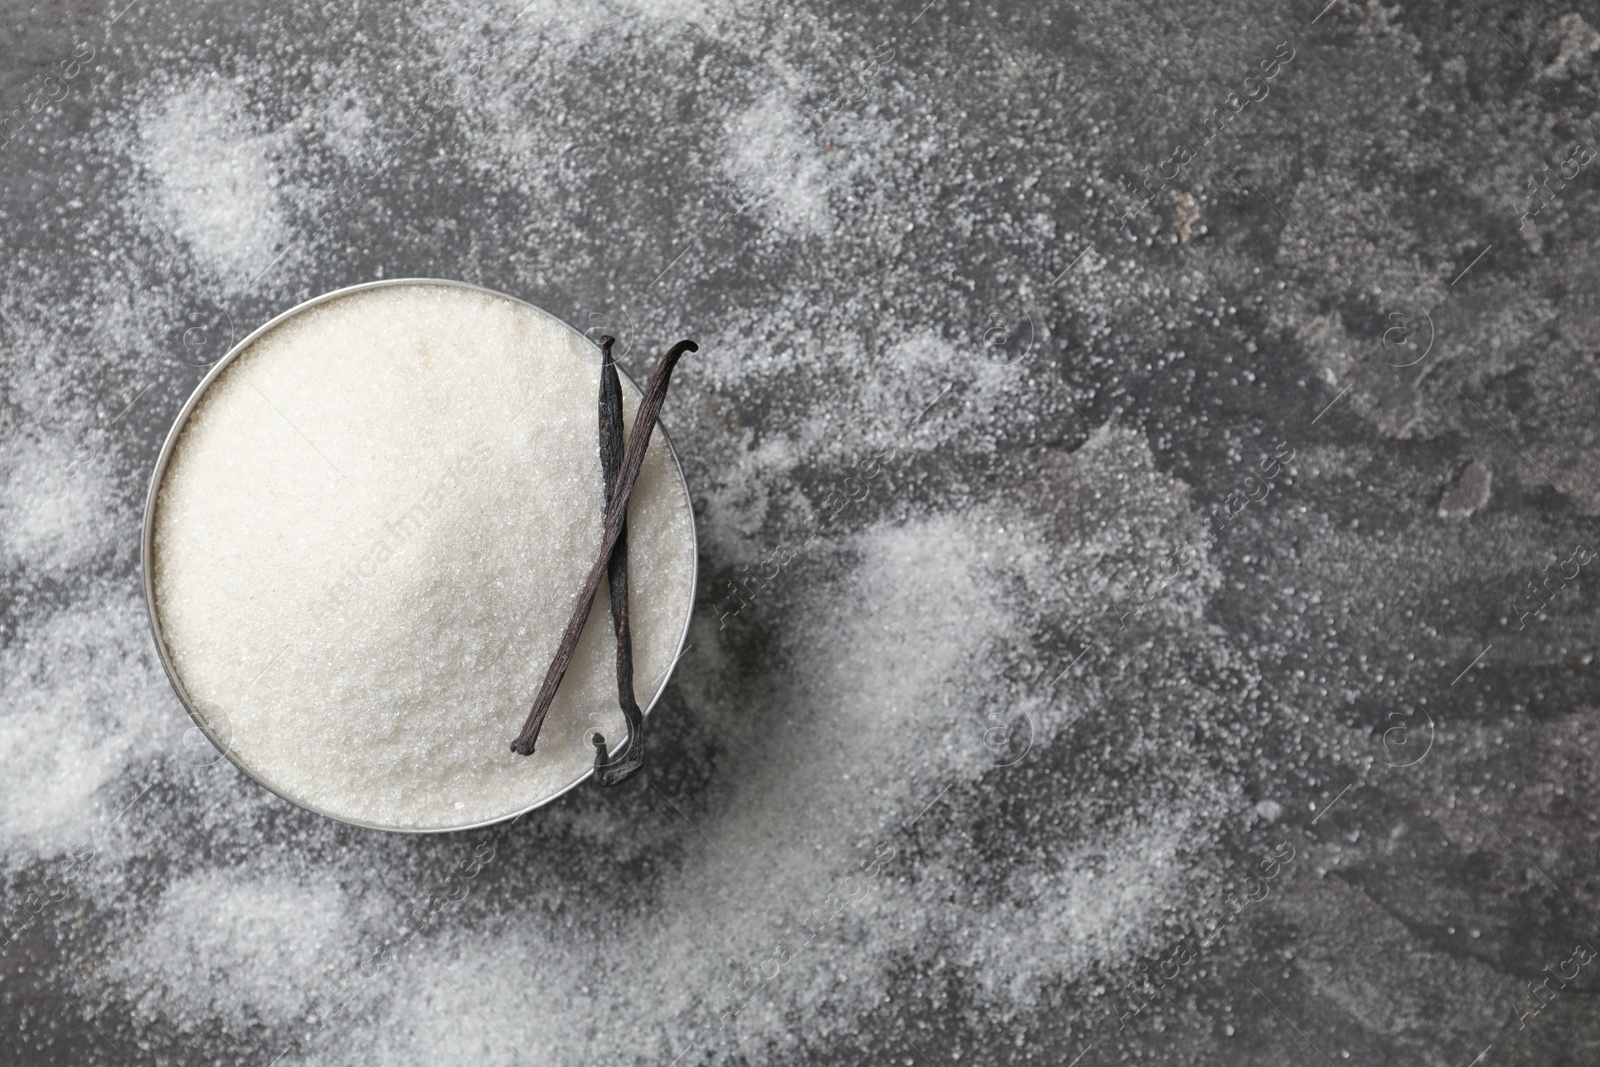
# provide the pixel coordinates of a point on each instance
(628, 763)
(606, 340)
(683, 346)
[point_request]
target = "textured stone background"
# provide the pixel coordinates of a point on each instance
(1060, 669)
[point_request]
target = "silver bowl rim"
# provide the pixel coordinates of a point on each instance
(147, 542)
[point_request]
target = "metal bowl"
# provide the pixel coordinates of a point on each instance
(147, 544)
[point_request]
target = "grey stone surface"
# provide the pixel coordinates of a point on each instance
(1177, 480)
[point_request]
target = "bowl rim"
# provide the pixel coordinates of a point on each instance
(147, 542)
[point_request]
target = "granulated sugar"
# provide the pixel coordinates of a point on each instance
(254, 940)
(214, 178)
(55, 770)
(370, 536)
(47, 503)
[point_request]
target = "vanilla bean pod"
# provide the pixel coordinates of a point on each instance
(644, 423)
(630, 756)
